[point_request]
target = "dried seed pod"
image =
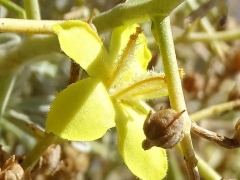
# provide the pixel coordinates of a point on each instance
(163, 129)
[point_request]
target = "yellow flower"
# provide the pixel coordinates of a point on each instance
(111, 96)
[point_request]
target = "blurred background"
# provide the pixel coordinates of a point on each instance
(30, 77)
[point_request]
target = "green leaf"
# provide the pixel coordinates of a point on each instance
(84, 46)
(81, 112)
(147, 165)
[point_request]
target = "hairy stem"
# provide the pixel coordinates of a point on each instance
(161, 30)
(134, 11)
(27, 26)
(126, 13)
(45, 27)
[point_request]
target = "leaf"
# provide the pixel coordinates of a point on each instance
(81, 112)
(147, 165)
(84, 46)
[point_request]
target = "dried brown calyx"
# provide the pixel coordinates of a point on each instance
(163, 129)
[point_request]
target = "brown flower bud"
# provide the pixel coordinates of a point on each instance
(163, 129)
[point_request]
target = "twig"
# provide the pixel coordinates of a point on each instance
(214, 110)
(123, 14)
(207, 27)
(14, 7)
(27, 26)
(32, 9)
(228, 143)
(202, 10)
(7, 82)
(207, 171)
(33, 156)
(209, 37)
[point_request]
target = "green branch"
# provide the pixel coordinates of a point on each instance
(161, 30)
(214, 110)
(207, 27)
(134, 11)
(42, 144)
(130, 12)
(27, 26)
(207, 171)
(209, 37)
(7, 81)
(32, 9)
(14, 8)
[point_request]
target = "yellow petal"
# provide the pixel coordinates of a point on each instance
(81, 112)
(129, 55)
(147, 165)
(84, 46)
(147, 86)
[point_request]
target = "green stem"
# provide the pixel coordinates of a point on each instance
(174, 171)
(33, 156)
(13, 7)
(207, 171)
(209, 37)
(213, 110)
(134, 11)
(7, 81)
(207, 27)
(127, 13)
(9, 126)
(32, 9)
(161, 29)
(27, 26)
(45, 27)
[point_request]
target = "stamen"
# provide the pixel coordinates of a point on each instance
(124, 54)
(138, 84)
